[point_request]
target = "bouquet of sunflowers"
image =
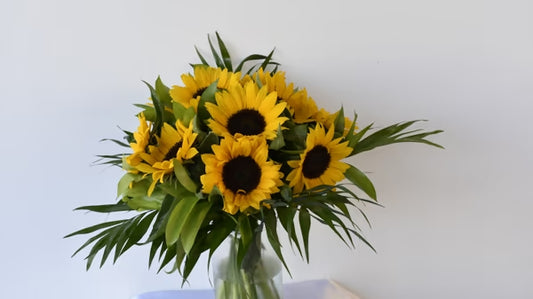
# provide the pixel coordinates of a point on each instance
(231, 153)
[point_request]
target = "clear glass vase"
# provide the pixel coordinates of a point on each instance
(258, 276)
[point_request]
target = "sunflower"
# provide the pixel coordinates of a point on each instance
(190, 94)
(320, 163)
(246, 111)
(301, 106)
(142, 137)
(328, 119)
(174, 143)
(240, 170)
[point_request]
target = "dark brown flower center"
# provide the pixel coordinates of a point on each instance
(316, 162)
(173, 151)
(199, 92)
(246, 122)
(241, 174)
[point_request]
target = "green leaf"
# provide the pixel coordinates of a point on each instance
(94, 228)
(267, 60)
(148, 111)
(183, 177)
(158, 123)
(116, 142)
(305, 226)
(394, 134)
(219, 232)
(100, 244)
(224, 52)
(169, 255)
(272, 234)
(245, 229)
(286, 218)
(156, 244)
(139, 231)
(178, 217)
(207, 142)
(118, 207)
(354, 139)
(146, 202)
(92, 239)
(278, 142)
(252, 57)
(124, 183)
(359, 179)
(190, 262)
(174, 188)
(192, 226)
(163, 93)
(208, 96)
(114, 236)
(204, 62)
(339, 123)
(327, 216)
(218, 61)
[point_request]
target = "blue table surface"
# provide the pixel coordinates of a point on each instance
(311, 289)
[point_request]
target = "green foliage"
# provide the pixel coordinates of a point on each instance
(392, 134)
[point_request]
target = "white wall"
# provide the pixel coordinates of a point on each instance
(457, 222)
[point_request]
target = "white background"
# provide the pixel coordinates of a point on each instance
(457, 222)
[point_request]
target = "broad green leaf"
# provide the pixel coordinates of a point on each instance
(178, 109)
(339, 123)
(191, 227)
(124, 183)
(174, 188)
(286, 193)
(178, 217)
(208, 96)
(160, 223)
(183, 177)
(278, 142)
(148, 111)
(359, 179)
(245, 229)
(185, 115)
(152, 202)
(220, 231)
(163, 93)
